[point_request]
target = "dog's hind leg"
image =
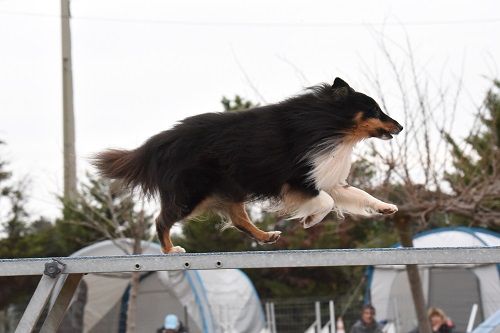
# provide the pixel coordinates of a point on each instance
(163, 225)
(241, 221)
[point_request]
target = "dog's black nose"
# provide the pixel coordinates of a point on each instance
(397, 128)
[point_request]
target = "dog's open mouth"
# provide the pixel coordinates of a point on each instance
(387, 135)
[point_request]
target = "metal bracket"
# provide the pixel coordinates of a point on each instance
(54, 268)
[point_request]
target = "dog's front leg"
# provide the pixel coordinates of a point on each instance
(352, 200)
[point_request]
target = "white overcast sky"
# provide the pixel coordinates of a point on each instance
(141, 65)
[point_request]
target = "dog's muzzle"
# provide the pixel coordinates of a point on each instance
(387, 135)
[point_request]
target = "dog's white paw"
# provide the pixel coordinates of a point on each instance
(273, 237)
(176, 249)
(386, 209)
(314, 219)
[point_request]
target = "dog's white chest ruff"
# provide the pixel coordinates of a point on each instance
(331, 167)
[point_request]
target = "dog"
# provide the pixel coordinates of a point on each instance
(296, 153)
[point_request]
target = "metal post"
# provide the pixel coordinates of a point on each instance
(331, 306)
(61, 303)
(472, 318)
(317, 308)
(268, 317)
(36, 304)
(273, 321)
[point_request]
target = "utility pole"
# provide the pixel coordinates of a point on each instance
(68, 114)
(406, 240)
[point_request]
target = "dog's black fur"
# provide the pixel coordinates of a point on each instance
(241, 156)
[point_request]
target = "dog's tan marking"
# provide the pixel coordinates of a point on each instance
(241, 221)
(168, 247)
(366, 128)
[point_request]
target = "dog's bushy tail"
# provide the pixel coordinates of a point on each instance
(131, 166)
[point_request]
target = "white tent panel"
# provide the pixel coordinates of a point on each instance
(105, 290)
(490, 288)
(389, 290)
(489, 239)
(216, 300)
(448, 239)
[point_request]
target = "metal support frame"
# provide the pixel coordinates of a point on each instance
(36, 304)
(61, 303)
(51, 274)
(72, 269)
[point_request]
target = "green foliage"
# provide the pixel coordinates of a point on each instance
(39, 239)
(362, 173)
(236, 104)
(484, 145)
(477, 163)
(4, 174)
(14, 217)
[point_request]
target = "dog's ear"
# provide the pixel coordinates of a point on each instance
(341, 93)
(339, 83)
(340, 89)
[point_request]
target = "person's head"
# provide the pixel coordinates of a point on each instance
(436, 316)
(171, 323)
(367, 314)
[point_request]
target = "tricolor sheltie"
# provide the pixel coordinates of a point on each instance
(296, 153)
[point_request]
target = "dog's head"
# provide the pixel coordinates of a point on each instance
(368, 118)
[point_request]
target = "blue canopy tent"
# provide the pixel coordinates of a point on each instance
(490, 325)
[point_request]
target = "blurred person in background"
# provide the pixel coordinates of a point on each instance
(172, 324)
(439, 321)
(367, 322)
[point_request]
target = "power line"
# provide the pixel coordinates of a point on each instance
(260, 24)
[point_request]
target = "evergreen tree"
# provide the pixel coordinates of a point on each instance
(13, 219)
(476, 166)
